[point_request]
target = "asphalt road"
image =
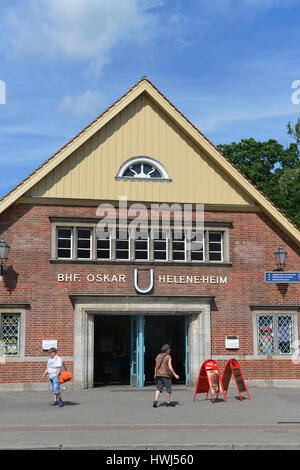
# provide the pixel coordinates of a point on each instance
(122, 417)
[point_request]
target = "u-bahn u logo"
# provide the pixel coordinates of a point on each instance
(135, 280)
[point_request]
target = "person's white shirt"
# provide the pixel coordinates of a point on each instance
(52, 366)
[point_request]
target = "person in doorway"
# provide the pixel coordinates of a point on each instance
(116, 362)
(163, 374)
(53, 369)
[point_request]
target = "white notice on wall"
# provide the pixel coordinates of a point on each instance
(232, 342)
(49, 343)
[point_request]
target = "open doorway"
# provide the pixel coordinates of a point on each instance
(111, 334)
(159, 330)
(135, 364)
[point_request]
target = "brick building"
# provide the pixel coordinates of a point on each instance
(67, 283)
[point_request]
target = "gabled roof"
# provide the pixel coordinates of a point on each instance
(145, 86)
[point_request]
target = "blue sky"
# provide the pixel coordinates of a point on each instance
(228, 65)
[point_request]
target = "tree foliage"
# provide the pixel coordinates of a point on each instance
(294, 132)
(275, 170)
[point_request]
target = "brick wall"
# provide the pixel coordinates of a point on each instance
(33, 279)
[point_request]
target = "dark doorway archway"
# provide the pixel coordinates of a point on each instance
(159, 330)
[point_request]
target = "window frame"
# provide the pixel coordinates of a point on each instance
(72, 242)
(148, 248)
(110, 247)
(208, 251)
(84, 249)
(204, 244)
(167, 250)
(275, 313)
(185, 260)
(21, 312)
(75, 224)
(129, 239)
(139, 160)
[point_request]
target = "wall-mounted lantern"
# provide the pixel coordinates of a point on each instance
(280, 256)
(4, 249)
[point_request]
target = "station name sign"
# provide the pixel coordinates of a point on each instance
(186, 279)
(103, 277)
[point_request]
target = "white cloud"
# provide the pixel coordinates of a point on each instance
(225, 13)
(257, 4)
(219, 117)
(88, 102)
(84, 30)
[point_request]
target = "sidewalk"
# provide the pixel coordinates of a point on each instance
(116, 417)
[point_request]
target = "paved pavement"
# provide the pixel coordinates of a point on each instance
(122, 417)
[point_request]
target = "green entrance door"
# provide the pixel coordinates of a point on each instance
(137, 377)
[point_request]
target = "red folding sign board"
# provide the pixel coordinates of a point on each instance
(233, 368)
(209, 380)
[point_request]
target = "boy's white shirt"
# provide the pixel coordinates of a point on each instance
(52, 366)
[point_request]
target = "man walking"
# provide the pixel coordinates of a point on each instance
(163, 373)
(53, 370)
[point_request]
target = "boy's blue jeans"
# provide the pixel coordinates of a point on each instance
(54, 385)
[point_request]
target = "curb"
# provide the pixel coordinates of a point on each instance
(195, 447)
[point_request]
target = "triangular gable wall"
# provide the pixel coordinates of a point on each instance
(234, 175)
(140, 129)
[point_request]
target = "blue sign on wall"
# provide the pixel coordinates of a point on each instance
(281, 277)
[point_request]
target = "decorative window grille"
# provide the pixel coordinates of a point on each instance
(142, 168)
(10, 334)
(84, 243)
(275, 334)
(64, 243)
(265, 334)
(284, 334)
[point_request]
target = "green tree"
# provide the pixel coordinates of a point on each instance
(275, 170)
(294, 132)
(287, 197)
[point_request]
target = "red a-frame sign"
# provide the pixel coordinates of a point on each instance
(232, 367)
(210, 380)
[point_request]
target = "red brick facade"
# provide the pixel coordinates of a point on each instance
(33, 279)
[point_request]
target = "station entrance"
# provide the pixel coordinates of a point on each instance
(125, 347)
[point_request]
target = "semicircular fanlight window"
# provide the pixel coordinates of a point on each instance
(143, 168)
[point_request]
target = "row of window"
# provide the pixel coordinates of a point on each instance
(275, 334)
(78, 243)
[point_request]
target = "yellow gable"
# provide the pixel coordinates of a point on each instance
(143, 122)
(142, 128)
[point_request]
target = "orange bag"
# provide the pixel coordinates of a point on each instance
(65, 376)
